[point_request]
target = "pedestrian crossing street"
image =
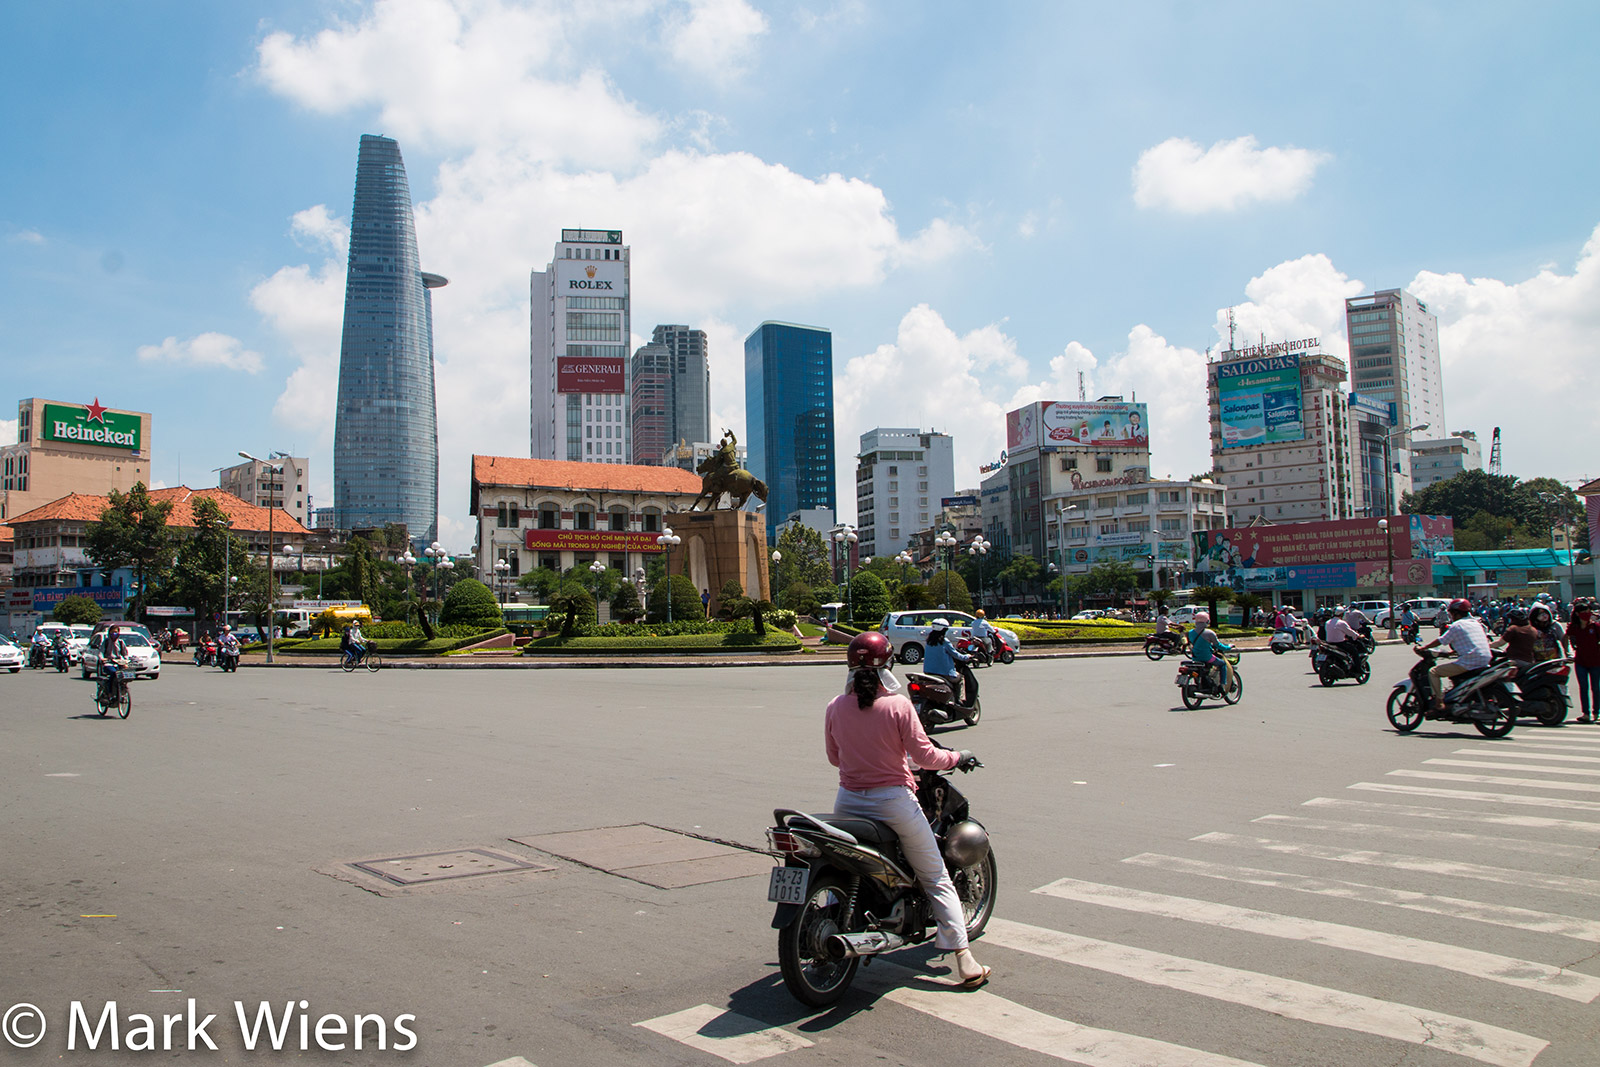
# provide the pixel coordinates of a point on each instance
(1522, 807)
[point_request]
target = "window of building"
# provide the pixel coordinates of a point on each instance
(1105, 501)
(1108, 528)
(922, 487)
(1171, 525)
(1102, 465)
(1138, 499)
(1069, 463)
(549, 517)
(1139, 526)
(893, 485)
(584, 514)
(619, 519)
(1077, 533)
(894, 470)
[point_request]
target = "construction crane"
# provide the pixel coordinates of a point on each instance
(1494, 452)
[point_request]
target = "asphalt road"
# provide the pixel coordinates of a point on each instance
(1283, 882)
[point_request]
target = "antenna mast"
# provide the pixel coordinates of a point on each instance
(1494, 452)
(1082, 394)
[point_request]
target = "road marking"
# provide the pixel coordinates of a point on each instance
(1495, 779)
(726, 1034)
(1524, 768)
(1280, 996)
(515, 1061)
(1450, 837)
(1497, 914)
(1487, 818)
(1504, 969)
(1007, 1021)
(1573, 738)
(1519, 754)
(63, 774)
(1399, 861)
(1476, 795)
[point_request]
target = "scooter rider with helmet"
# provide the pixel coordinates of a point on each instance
(983, 631)
(1468, 638)
(941, 658)
(870, 730)
(1207, 648)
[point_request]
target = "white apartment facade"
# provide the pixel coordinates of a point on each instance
(1394, 356)
(1146, 523)
(579, 333)
(903, 474)
(1437, 460)
(282, 482)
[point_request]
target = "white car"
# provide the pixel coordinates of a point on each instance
(81, 633)
(908, 630)
(1427, 609)
(1087, 614)
(1372, 609)
(143, 656)
(11, 656)
(1184, 614)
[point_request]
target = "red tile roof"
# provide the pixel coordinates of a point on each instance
(6, 534)
(565, 474)
(247, 518)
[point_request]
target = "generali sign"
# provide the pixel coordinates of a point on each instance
(91, 424)
(577, 375)
(589, 541)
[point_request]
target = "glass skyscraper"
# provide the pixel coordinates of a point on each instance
(788, 404)
(386, 440)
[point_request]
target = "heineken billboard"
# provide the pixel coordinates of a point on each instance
(91, 424)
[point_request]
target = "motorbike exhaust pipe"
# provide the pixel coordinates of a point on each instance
(869, 943)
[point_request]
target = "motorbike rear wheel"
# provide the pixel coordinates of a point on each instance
(1153, 651)
(977, 887)
(1191, 696)
(1404, 711)
(1008, 656)
(815, 980)
(973, 714)
(1364, 675)
(1278, 650)
(1326, 677)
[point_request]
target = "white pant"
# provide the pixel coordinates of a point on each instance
(897, 806)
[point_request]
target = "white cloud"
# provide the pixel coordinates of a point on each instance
(306, 308)
(715, 38)
(1178, 175)
(315, 228)
(1297, 298)
(8, 432)
(28, 237)
(204, 350)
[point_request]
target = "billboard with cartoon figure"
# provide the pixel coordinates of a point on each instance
(1109, 425)
(1325, 555)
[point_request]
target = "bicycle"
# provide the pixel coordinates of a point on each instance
(112, 692)
(371, 660)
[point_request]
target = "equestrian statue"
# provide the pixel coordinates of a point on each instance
(720, 473)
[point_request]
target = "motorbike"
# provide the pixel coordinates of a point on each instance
(205, 653)
(935, 700)
(1289, 639)
(1542, 692)
(982, 655)
(1170, 643)
(228, 659)
(846, 893)
(59, 656)
(1478, 697)
(38, 659)
(1196, 681)
(1334, 662)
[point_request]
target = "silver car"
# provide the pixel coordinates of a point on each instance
(143, 657)
(908, 630)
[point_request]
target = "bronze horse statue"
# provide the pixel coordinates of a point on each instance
(717, 478)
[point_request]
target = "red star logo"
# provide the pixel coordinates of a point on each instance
(97, 412)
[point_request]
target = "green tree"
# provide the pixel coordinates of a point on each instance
(685, 600)
(949, 591)
(869, 597)
(805, 558)
(75, 610)
(1021, 573)
(542, 581)
(915, 596)
(729, 596)
(132, 532)
(799, 598)
(1213, 595)
(625, 603)
(571, 610)
(742, 607)
(469, 603)
(1247, 603)
(206, 561)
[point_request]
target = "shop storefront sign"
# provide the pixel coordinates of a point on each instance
(108, 597)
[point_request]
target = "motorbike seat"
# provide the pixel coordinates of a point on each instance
(866, 831)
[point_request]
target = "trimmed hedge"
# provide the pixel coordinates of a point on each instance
(321, 646)
(772, 641)
(469, 602)
(381, 630)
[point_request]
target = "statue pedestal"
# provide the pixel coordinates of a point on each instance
(719, 545)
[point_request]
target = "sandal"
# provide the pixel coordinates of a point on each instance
(976, 980)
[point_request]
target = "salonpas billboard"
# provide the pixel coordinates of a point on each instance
(1260, 401)
(91, 425)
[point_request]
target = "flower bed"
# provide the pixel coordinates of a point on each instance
(771, 641)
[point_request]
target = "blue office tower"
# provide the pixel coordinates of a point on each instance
(788, 405)
(386, 440)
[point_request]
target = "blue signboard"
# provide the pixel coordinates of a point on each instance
(958, 502)
(109, 597)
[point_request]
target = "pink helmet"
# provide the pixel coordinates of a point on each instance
(1202, 619)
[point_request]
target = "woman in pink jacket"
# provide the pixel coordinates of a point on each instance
(870, 730)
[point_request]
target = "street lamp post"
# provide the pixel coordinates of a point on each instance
(945, 541)
(502, 571)
(1388, 463)
(777, 596)
(844, 537)
(272, 600)
(1061, 550)
(977, 550)
(1388, 536)
(667, 540)
(597, 568)
(407, 561)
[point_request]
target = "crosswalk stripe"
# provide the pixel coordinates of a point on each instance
(1571, 737)
(1495, 779)
(1280, 996)
(1542, 922)
(1506, 970)
(1486, 818)
(1450, 837)
(1522, 753)
(1477, 796)
(1524, 768)
(1399, 861)
(725, 1034)
(1023, 1027)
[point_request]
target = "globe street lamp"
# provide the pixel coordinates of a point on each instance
(777, 558)
(945, 541)
(446, 564)
(844, 537)
(597, 568)
(978, 549)
(407, 561)
(667, 540)
(1388, 536)
(502, 571)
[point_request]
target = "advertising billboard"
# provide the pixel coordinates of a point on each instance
(590, 541)
(1095, 425)
(576, 374)
(93, 424)
(1022, 428)
(958, 502)
(1312, 543)
(1259, 401)
(108, 597)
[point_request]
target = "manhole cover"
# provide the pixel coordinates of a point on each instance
(654, 855)
(444, 866)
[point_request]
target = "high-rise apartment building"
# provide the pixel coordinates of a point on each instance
(1394, 356)
(579, 331)
(788, 403)
(386, 456)
(902, 477)
(1280, 435)
(671, 392)
(281, 483)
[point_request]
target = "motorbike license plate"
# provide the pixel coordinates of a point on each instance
(788, 885)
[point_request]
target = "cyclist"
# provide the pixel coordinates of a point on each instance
(355, 644)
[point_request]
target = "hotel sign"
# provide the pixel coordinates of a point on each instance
(589, 541)
(93, 424)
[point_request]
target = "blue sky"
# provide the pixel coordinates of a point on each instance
(980, 201)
